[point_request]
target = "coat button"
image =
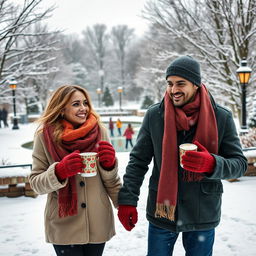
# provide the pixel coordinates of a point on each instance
(82, 184)
(83, 205)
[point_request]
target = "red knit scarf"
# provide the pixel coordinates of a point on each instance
(85, 139)
(199, 111)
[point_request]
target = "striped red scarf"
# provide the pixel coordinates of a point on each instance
(199, 111)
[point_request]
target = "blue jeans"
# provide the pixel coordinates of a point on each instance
(196, 243)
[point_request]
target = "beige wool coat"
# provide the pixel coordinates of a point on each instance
(94, 222)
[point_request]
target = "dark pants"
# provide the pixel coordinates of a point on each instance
(5, 123)
(196, 243)
(79, 249)
(119, 131)
(127, 141)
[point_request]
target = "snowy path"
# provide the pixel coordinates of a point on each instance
(22, 230)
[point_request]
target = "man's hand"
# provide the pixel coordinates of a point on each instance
(128, 216)
(198, 161)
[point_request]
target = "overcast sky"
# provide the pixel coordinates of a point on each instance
(76, 15)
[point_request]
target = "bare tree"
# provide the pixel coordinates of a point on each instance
(28, 50)
(218, 32)
(121, 36)
(14, 23)
(152, 51)
(36, 65)
(96, 38)
(74, 50)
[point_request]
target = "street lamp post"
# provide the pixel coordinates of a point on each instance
(244, 73)
(120, 91)
(99, 91)
(13, 85)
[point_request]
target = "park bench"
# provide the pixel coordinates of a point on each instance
(14, 181)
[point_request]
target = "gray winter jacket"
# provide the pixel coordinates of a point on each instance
(199, 203)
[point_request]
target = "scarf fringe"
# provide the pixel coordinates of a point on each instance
(68, 208)
(165, 211)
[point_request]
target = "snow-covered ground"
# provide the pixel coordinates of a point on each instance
(22, 229)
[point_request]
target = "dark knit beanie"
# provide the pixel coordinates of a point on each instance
(185, 67)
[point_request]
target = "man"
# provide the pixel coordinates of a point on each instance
(187, 199)
(5, 117)
(111, 127)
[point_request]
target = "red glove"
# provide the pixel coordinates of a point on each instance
(128, 216)
(70, 165)
(107, 155)
(198, 161)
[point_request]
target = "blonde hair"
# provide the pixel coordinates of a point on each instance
(52, 114)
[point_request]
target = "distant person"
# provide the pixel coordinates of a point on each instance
(119, 125)
(1, 117)
(182, 200)
(111, 127)
(78, 214)
(5, 117)
(128, 135)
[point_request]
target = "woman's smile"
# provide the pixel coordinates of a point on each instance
(77, 109)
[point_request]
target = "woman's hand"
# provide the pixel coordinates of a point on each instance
(107, 155)
(69, 166)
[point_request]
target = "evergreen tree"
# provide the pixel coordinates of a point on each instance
(107, 98)
(147, 102)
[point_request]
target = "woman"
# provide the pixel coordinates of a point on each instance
(128, 135)
(78, 214)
